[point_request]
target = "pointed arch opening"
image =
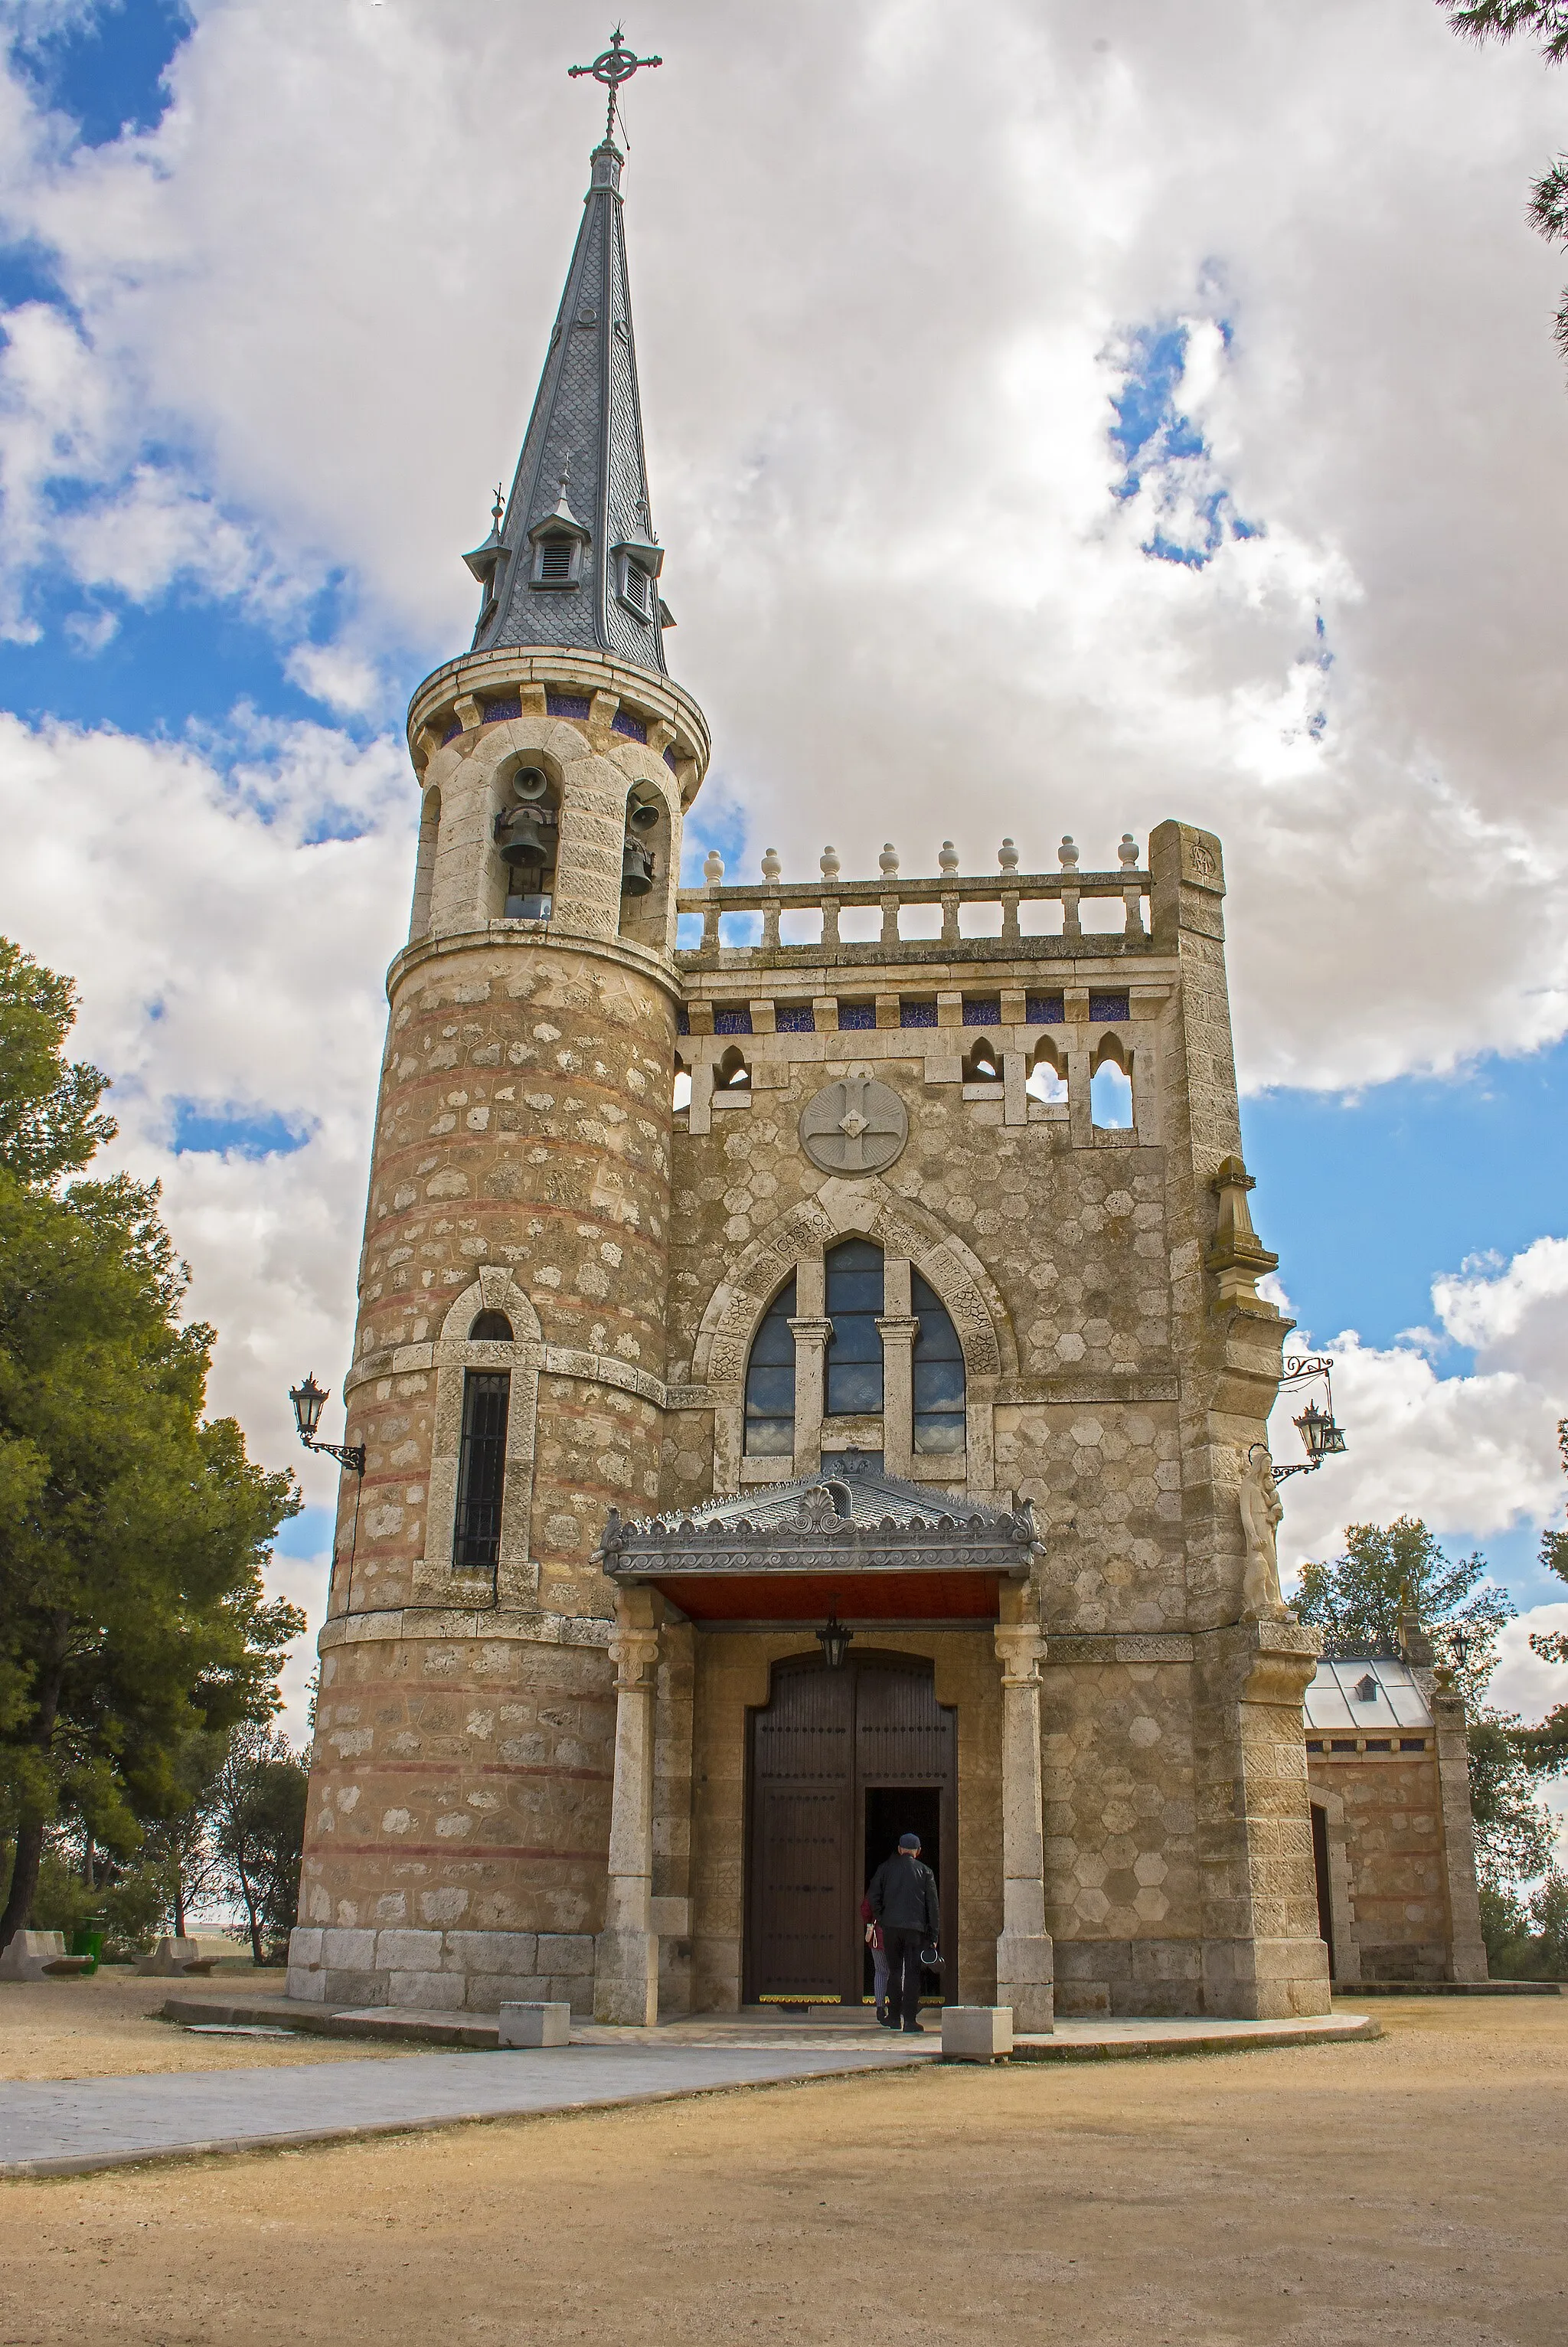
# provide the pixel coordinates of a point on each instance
(937, 1373)
(1110, 1086)
(731, 1074)
(1047, 1078)
(853, 1295)
(770, 1380)
(982, 1064)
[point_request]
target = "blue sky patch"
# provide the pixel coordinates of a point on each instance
(105, 68)
(1164, 454)
(226, 1128)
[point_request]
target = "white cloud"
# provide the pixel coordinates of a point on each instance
(1472, 1453)
(876, 377)
(331, 673)
(227, 953)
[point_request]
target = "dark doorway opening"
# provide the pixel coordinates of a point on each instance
(892, 1810)
(836, 1757)
(1320, 1869)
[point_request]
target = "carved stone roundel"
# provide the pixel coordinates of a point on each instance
(856, 1126)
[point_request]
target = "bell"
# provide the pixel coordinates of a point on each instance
(530, 784)
(524, 835)
(636, 870)
(643, 815)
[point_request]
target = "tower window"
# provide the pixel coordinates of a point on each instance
(770, 1383)
(637, 588)
(938, 1373)
(481, 1469)
(557, 562)
(490, 1328)
(853, 1273)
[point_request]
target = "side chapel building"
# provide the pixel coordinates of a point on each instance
(716, 1303)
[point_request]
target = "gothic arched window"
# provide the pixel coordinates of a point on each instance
(770, 1383)
(854, 1298)
(482, 1465)
(938, 1373)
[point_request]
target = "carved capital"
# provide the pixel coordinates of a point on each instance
(635, 1653)
(1020, 1650)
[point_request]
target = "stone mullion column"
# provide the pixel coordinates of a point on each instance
(898, 1336)
(626, 1956)
(810, 1351)
(1025, 1956)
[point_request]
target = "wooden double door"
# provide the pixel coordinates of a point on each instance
(840, 1763)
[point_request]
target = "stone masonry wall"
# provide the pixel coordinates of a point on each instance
(1393, 1832)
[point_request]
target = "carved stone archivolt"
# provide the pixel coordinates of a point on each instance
(855, 1127)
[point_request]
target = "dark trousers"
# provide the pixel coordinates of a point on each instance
(903, 1975)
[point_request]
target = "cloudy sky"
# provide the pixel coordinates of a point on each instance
(1062, 414)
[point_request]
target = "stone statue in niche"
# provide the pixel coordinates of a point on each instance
(1260, 1510)
(855, 1127)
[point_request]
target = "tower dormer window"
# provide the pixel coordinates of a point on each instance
(636, 588)
(556, 561)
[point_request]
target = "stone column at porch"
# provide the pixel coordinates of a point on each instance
(626, 1955)
(1025, 1955)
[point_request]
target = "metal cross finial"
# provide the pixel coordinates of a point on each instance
(614, 66)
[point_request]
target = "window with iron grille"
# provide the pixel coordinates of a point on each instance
(555, 561)
(481, 1469)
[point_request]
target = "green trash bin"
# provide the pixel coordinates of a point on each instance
(87, 1942)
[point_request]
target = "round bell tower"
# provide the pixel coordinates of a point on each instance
(509, 1365)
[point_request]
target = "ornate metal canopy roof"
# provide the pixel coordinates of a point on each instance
(849, 1520)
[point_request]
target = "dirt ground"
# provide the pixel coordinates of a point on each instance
(1410, 2189)
(105, 2028)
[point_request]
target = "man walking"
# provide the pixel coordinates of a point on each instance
(903, 1899)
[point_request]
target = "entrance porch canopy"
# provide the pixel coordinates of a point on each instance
(848, 1540)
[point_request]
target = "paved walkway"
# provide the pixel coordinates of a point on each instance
(68, 2128)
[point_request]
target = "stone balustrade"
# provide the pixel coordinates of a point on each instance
(890, 895)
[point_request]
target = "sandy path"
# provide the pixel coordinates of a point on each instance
(105, 2028)
(1411, 2190)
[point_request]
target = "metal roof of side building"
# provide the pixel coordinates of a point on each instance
(1363, 1693)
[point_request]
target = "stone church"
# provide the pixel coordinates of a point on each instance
(798, 1403)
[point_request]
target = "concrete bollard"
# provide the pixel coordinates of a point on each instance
(537, 2025)
(977, 2032)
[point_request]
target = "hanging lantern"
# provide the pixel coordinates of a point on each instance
(309, 1400)
(833, 1641)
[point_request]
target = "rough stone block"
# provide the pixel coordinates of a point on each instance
(408, 1951)
(305, 1947)
(977, 2032)
(536, 2024)
(491, 1951)
(348, 1950)
(307, 1983)
(565, 1952)
(348, 1988)
(437, 1991)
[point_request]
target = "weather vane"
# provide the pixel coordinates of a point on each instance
(616, 65)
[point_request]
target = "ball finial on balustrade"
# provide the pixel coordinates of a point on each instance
(772, 865)
(828, 861)
(888, 859)
(1007, 856)
(948, 858)
(712, 868)
(1067, 854)
(1128, 851)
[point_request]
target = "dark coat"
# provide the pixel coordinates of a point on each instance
(903, 1896)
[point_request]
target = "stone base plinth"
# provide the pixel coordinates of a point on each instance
(626, 1978)
(1025, 1978)
(1266, 1979)
(442, 1972)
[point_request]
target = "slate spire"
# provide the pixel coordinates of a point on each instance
(575, 560)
